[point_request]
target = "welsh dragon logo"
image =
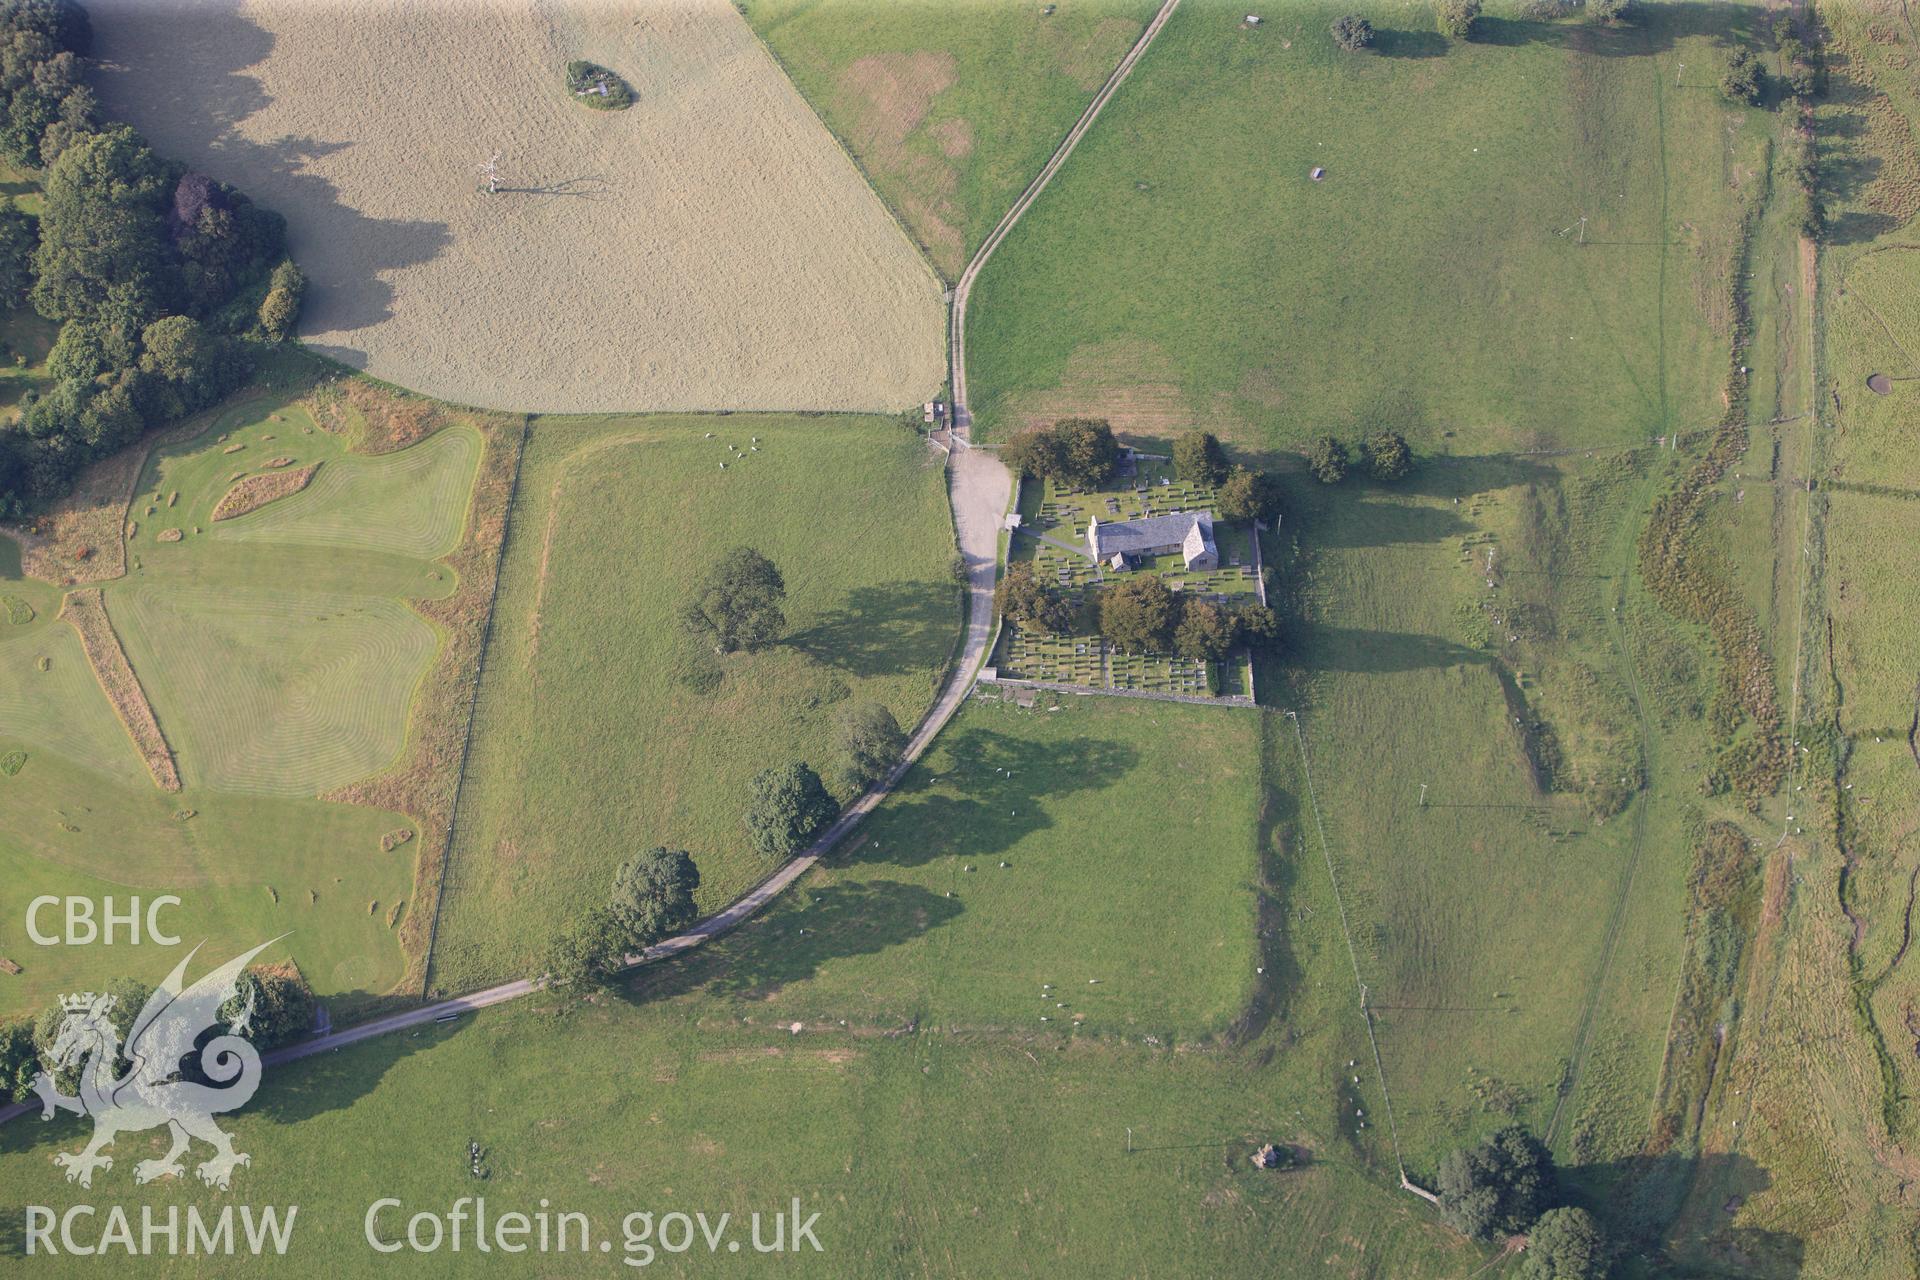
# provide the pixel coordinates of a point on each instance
(152, 1091)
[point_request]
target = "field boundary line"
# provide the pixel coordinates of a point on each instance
(85, 610)
(1353, 957)
(1153, 695)
(473, 703)
(972, 654)
(963, 288)
(920, 249)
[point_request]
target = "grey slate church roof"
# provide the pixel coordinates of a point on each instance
(1151, 535)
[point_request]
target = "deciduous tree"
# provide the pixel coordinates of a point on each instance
(280, 309)
(1249, 495)
(19, 1060)
(103, 238)
(1074, 451)
(1352, 32)
(1327, 460)
(1198, 458)
(19, 236)
(1206, 632)
(789, 809)
(1743, 80)
(1387, 455)
(130, 996)
(1497, 1188)
(188, 368)
(1566, 1244)
(1259, 625)
(874, 743)
(589, 951)
(1090, 452)
(282, 1002)
(652, 896)
(1138, 613)
(1457, 18)
(1023, 598)
(1034, 453)
(737, 604)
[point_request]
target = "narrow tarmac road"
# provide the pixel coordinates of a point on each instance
(980, 489)
(963, 290)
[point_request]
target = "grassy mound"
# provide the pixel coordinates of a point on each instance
(250, 493)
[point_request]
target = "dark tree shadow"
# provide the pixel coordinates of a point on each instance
(1003, 785)
(1389, 43)
(810, 929)
(1468, 476)
(1847, 166)
(983, 792)
(1323, 648)
(1675, 1215)
(882, 630)
(1361, 521)
(1653, 31)
(1511, 32)
(194, 94)
(334, 1078)
(13, 1229)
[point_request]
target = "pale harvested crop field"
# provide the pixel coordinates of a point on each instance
(711, 247)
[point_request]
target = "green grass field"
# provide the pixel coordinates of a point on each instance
(1476, 757)
(602, 728)
(1185, 269)
(49, 697)
(409, 503)
(932, 1155)
(268, 680)
(281, 654)
(1106, 813)
(1482, 833)
(280, 693)
(949, 109)
(922, 1107)
(1836, 1123)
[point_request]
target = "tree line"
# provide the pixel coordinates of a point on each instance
(1506, 1187)
(1138, 613)
(1083, 453)
(155, 274)
(736, 606)
(1460, 19)
(282, 1009)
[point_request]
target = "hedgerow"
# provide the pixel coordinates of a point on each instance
(1679, 572)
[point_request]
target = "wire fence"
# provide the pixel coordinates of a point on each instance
(1353, 957)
